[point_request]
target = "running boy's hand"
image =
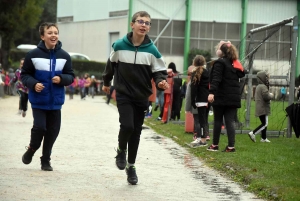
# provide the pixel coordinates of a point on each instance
(56, 79)
(163, 84)
(106, 89)
(39, 87)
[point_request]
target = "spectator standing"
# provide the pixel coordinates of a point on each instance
(133, 62)
(199, 92)
(224, 93)
(283, 93)
(81, 83)
(6, 83)
(176, 99)
(87, 84)
(21, 90)
(72, 88)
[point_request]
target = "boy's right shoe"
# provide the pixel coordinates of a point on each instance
(131, 175)
(121, 159)
(45, 165)
(252, 136)
(27, 156)
(213, 148)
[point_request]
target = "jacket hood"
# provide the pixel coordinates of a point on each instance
(128, 39)
(43, 47)
(262, 77)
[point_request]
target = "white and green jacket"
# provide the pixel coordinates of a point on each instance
(134, 67)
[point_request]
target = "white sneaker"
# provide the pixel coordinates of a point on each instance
(264, 140)
(197, 141)
(252, 136)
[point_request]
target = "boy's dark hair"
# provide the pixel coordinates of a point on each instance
(46, 25)
(141, 14)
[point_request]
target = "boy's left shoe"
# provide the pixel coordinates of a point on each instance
(46, 166)
(131, 175)
(27, 156)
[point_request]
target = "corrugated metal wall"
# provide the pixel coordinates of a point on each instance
(92, 24)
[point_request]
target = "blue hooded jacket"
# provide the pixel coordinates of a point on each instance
(40, 66)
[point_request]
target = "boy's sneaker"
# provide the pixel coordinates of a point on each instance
(131, 175)
(196, 141)
(27, 156)
(229, 150)
(46, 166)
(23, 113)
(207, 138)
(200, 144)
(252, 136)
(264, 140)
(213, 148)
(121, 159)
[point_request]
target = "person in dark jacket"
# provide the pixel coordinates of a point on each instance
(224, 93)
(176, 99)
(199, 93)
(133, 62)
(46, 71)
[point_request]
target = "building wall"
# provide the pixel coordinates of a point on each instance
(88, 30)
(91, 37)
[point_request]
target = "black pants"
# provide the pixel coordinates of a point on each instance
(228, 113)
(46, 125)
(176, 106)
(262, 127)
(131, 118)
(202, 129)
(23, 102)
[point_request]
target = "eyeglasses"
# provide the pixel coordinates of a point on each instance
(141, 22)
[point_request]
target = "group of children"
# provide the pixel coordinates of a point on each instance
(198, 103)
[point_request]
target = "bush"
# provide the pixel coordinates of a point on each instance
(91, 67)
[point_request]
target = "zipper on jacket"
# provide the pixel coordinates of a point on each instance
(136, 50)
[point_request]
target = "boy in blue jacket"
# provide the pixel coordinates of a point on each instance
(47, 69)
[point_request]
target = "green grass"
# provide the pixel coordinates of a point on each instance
(269, 170)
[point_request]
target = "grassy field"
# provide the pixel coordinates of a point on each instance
(269, 170)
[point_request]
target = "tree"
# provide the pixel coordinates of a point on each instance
(15, 17)
(48, 15)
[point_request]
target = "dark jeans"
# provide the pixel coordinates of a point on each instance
(131, 118)
(229, 114)
(23, 102)
(46, 124)
(262, 127)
